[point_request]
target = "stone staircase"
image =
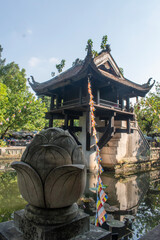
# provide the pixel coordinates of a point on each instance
(110, 150)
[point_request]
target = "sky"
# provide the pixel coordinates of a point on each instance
(38, 34)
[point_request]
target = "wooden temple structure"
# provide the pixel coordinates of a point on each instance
(112, 93)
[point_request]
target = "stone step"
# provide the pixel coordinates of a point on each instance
(111, 143)
(109, 150)
(108, 158)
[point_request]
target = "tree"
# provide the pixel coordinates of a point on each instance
(61, 65)
(3, 101)
(104, 42)
(90, 43)
(148, 113)
(121, 70)
(19, 108)
(77, 62)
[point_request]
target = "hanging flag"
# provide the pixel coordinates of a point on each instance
(101, 215)
(103, 196)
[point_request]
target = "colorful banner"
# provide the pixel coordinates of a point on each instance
(101, 215)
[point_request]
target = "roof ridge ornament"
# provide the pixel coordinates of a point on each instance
(89, 52)
(146, 85)
(108, 48)
(33, 83)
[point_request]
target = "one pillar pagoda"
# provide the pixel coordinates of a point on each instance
(117, 132)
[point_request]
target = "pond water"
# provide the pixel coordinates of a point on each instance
(137, 195)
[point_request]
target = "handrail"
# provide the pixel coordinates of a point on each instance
(143, 138)
(109, 103)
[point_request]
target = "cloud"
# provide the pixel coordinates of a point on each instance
(34, 61)
(29, 31)
(53, 60)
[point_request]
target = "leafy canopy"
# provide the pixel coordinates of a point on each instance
(19, 109)
(148, 113)
(61, 65)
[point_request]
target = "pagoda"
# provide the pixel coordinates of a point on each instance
(118, 133)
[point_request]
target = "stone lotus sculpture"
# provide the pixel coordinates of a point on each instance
(51, 173)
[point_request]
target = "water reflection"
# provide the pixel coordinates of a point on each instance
(10, 198)
(125, 197)
(137, 195)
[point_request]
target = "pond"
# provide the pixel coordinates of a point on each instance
(136, 195)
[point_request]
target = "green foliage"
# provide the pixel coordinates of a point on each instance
(61, 65)
(104, 42)
(19, 108)
(148, 113)
(90, 43)
(121, 70)
(77, 61)
(3, 143)
(46, 100)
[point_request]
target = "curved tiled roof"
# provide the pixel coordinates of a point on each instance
(75, 71)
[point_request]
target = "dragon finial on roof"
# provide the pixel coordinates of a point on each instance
(33, 83)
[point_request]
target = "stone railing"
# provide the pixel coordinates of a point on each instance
(11, 151)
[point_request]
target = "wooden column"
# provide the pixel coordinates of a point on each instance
(71, 122)
(128, 104)
(111, 121)
(52, 102)
(51, 121)
(121, 102)
(57, 101)
(66, 121)
(88, 129)
(98, 96)
(80, 95)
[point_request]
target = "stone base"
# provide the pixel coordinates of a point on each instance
(44, 216)
(79, 228)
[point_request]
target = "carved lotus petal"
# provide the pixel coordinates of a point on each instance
(30, 184)
(64, 185)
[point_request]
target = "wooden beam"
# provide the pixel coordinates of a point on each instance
(101, 129)
(121, 130)
(73, 113)
(75, 129)
(55, 115)
(108, 134)
(124, 117)
(74, 136)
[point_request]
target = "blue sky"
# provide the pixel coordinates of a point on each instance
(37, 34)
